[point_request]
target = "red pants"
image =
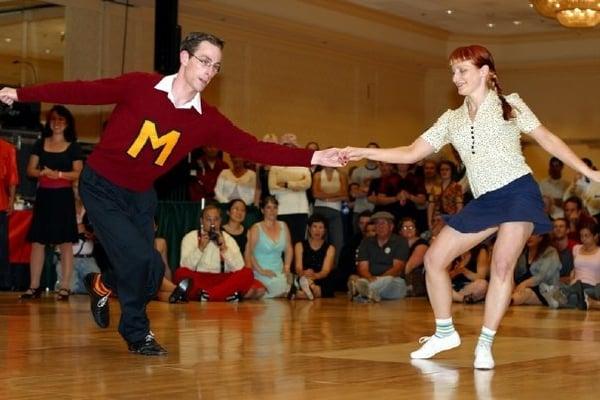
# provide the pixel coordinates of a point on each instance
(218, 286)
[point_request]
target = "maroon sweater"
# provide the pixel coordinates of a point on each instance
(146, 135)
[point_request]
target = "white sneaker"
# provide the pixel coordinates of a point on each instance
(483, 357)
(362, 287)
(433, 345)
(305, 286)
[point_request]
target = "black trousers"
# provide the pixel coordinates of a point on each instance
(123, 221)
(296, 224)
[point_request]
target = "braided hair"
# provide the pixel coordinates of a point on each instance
(481, 56)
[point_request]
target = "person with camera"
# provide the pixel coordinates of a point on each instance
(212, 263)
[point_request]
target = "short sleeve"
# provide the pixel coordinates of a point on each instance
(363, 251)
(401, 250)
(38, 147)
(75, 152)
(437, 135)
(524, 117)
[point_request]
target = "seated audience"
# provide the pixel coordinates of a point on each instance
(414, 271)
(347, 259)
(236, 211)
(381, 262)
(539, 263)
(450, 199)
(83, 259)
(469, 274)
(267, 241)
(564, 246)
(577, 216)
(314, 260)
(213, 262)
(236, 183)
(585, 274)
(586, 190)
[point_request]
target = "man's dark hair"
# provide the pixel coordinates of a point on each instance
(576, 200)
(555, 160)
(365, 213)
(193, 40)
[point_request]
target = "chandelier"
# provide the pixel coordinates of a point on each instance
(570, 13)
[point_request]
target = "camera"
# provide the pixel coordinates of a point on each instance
(213, 235)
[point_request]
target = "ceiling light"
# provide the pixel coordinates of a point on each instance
(517, 22)
(47, 51)
(490, 25)
(570, 13)
(449, 12)
(8, 40)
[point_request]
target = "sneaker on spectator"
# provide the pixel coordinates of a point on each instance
(203, 296)
(352, 292)
(553, 295)
(431, 345)
(364, 289)
(483, 357)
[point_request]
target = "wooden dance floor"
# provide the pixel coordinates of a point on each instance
(326, 349)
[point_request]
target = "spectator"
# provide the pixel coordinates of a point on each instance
(362, 177)
(347, 260)
(84, 261)
(554, 186)
(330, 188)
(213, 262)
(450, 200)
(313, 261)
(236, 183)
(289, 186)
(383, 192)
(208, 164)
(577, 216)
(586, 190)
(412, 196)
(236, 211)
(414, 271)
(564, 246)
(267, 241)
(9, 179)
(551, 210)
(469, 274)
(539, 263)
(262, 172)
(56, 161)
(381, 262)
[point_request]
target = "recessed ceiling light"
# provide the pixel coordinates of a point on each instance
(47, 51)
(449, 12)
(517, 22)
(8, 40)
(530, 5)
(490, 25)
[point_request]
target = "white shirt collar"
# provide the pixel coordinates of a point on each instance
(166, 85)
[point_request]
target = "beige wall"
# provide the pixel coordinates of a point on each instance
(338, 74)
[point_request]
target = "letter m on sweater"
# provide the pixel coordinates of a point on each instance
(147, 134)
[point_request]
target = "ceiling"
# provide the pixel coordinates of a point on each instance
(468, 16)
(44, 27)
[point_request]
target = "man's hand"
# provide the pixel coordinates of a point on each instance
(8, 95)
(328, 158)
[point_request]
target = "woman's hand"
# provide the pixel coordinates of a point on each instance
(267, 272)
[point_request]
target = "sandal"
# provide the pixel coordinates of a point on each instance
(32, 293)
(63, 294)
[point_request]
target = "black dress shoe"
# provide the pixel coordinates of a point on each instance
(148, 347)
(98, 303)
(179, 294)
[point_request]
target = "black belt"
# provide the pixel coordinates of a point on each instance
(84, 255)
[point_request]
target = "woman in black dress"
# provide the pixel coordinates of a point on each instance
(56, 161)
(236, 211)
(314, 259)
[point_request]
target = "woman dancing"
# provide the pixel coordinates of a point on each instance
(486, 131)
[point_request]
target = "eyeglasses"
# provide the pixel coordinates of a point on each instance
(207, 63)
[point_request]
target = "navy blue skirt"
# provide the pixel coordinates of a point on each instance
(519, 200)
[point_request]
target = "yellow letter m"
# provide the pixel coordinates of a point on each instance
(148, 133)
